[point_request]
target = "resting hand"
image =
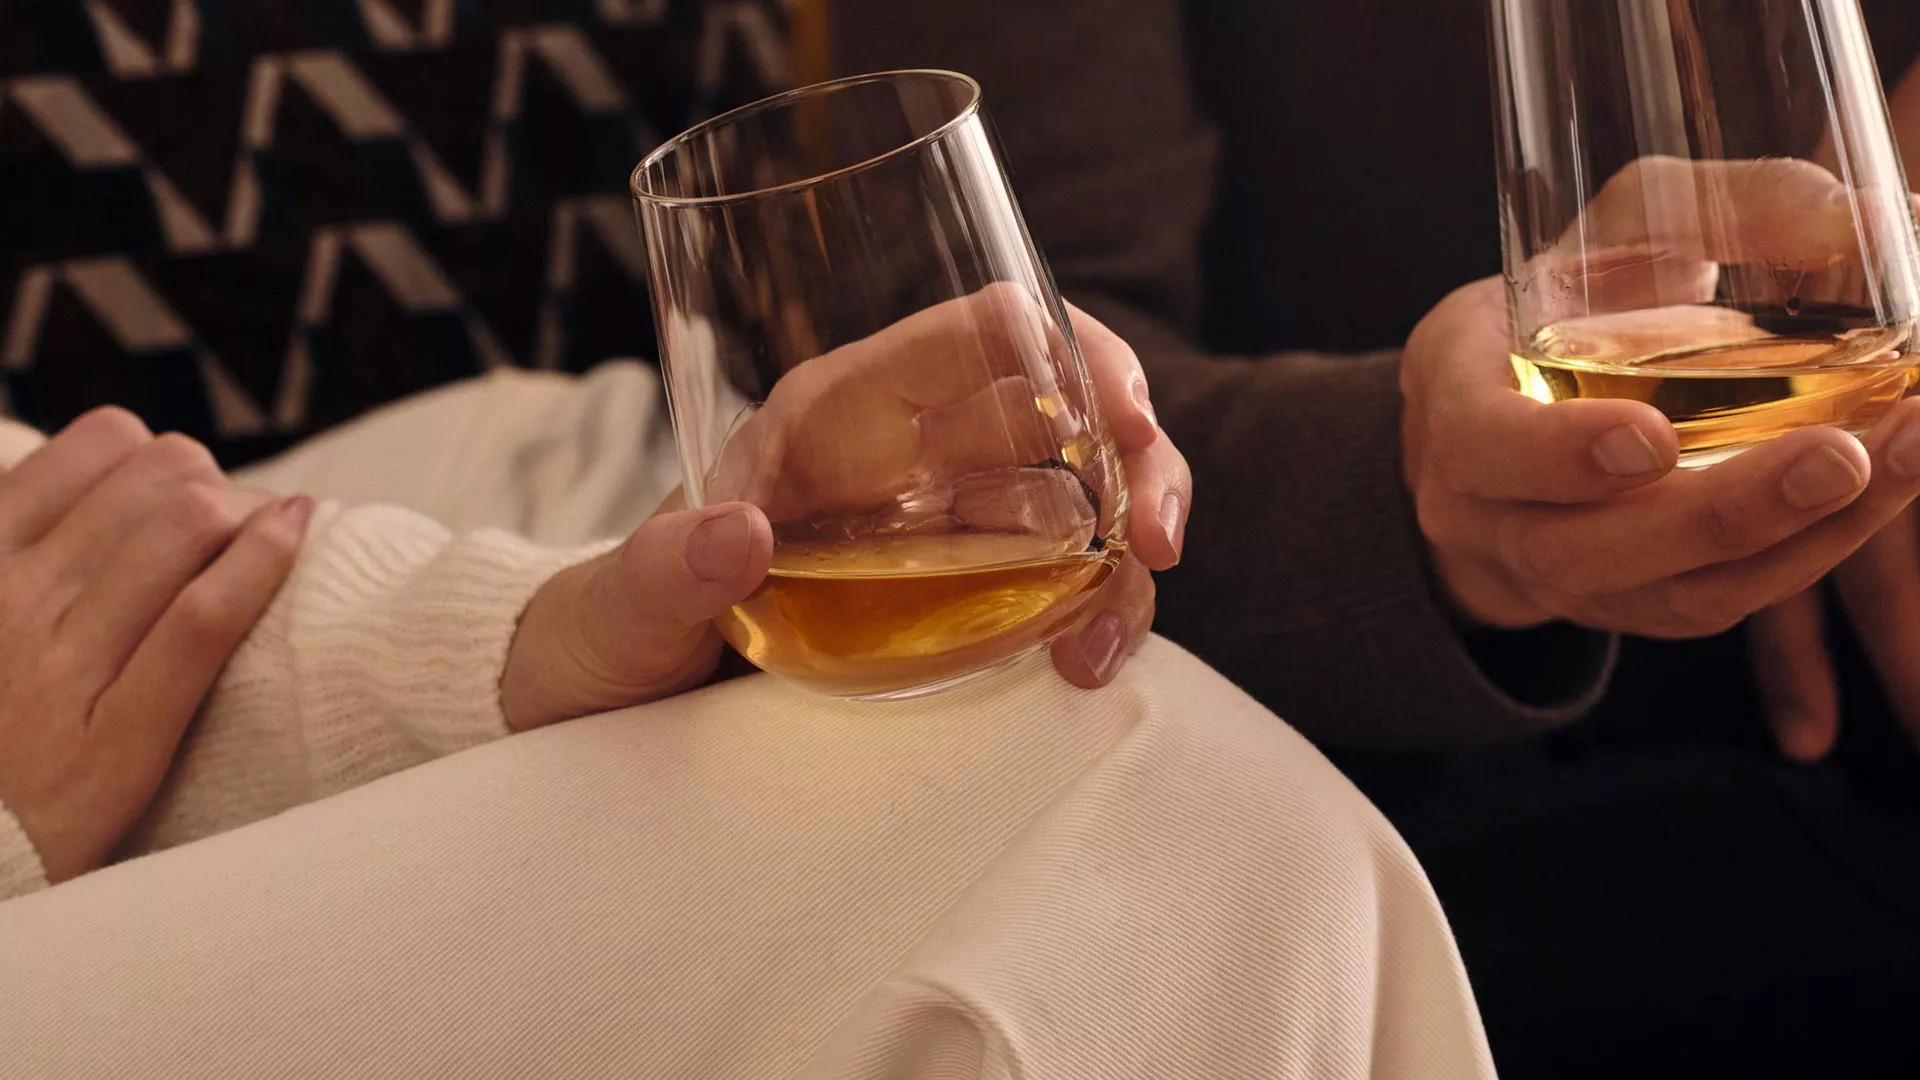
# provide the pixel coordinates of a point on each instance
(130, 570)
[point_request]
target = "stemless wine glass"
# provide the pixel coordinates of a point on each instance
(1702, 208)
(860, 338)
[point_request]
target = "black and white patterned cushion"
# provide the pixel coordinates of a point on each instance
(251, 219)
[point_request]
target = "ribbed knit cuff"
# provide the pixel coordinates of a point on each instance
(400, 635)
(21, 871)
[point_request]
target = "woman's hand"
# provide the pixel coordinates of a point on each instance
(636, 624)
(1160, 491)
(130, 570)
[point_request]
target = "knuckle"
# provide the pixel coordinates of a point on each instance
(59, 661)
(1452, 448)
(1703, 606)
(1451, 466)
(1005, 294)
(180, 455)
(1105, 347)
(203, 615)
(1009, 308)
(199, 513)
(1145, 589)
(1726, 525)
(1549, 560)
(1516, 547)
(113, 427)
(1569, 572)
(1437, 512)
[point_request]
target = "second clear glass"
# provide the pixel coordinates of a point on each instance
(1703, 209)
(860, 337)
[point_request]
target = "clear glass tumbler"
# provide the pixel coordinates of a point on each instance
(860, 337)
(1703, 209)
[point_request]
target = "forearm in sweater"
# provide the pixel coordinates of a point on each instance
(1306, 575)
(383, 650)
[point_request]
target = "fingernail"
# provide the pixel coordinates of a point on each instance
(1143, 398)
(1903, 454)
(1626, 451)
(297, 511)
(1819, 478)
(1100, 644)
(1170, 523)
(717, 547)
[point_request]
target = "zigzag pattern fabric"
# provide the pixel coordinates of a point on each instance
(251, 219)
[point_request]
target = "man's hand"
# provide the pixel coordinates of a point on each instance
(130, 570)
(1574, 510)
(1879, 591)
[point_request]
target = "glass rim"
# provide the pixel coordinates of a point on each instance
(966, 112)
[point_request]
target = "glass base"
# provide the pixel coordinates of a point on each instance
(1704, 458)
(912, 693)
(1701, 459)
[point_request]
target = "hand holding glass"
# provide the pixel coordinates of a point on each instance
(860, 338)
(1702, 209)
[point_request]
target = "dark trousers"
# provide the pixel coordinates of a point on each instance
(1655, 893)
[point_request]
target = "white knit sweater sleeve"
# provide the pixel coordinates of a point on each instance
(383, 650)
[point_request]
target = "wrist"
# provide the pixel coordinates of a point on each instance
(556, 669)
(533, 679)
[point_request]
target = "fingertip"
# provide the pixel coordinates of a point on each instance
(1628, 453)
(1794, 675)
(1626, 442)
(1090, 656)
(1067, 660)
(1504, 446)
(1172, 519)
(680, 570)
(1134, 423)
(1820, 469)
(297, 512)
(728, 544)
(278, 528)
(285, 520)
(1659, 431)
(1805, 735)
(1161, 505)
(1897, 440)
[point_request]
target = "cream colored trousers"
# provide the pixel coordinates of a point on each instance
(1159, 880)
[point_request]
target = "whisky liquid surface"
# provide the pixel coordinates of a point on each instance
(886, 615)
(1725, 381)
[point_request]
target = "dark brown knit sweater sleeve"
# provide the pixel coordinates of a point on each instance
(1304, 579)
